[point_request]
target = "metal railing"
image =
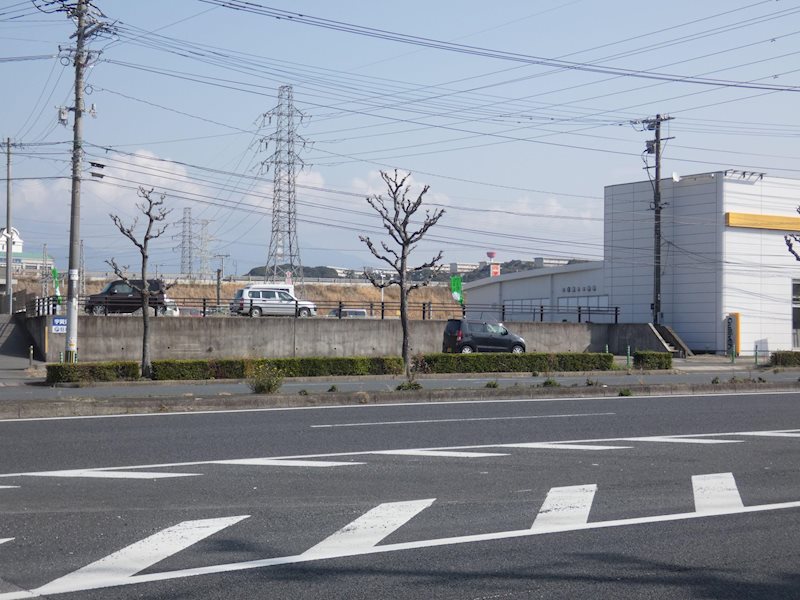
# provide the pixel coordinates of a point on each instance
(338, 309)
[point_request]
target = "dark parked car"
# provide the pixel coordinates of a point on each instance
(122, 297)
(465, 336)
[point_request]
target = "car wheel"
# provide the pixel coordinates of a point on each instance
(255, 312)
(99, 310)
(467, 350)
(303, 312)
(517, 349)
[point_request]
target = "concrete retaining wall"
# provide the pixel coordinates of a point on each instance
(120, 338)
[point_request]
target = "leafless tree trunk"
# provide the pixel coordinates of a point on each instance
(154, 211)
(791, 239)
(396, 212)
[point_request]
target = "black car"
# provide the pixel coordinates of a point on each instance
(465, 336)
(120, 296)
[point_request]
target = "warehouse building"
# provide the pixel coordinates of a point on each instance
(728, 281)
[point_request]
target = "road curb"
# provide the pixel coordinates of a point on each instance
(83, 407)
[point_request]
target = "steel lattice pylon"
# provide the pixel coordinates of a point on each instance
(283, 256)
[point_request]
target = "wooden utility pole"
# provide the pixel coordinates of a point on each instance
(9, 236)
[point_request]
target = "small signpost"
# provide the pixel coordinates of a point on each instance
(59, 325)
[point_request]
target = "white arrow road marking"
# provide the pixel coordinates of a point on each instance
(565, 508)
(715, 492)
(283, 462)
(101, 474)
(444, 453)
(369, 529)
(119, 567)
(559, 446)
(679, 440)
(366, 550)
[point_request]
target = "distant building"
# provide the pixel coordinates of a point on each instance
(462, 267)
(22, 263)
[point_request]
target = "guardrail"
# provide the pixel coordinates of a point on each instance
(339, 309)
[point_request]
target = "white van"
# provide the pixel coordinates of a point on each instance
(276, 299)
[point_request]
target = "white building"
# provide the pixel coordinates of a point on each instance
(22, 263)
(726, 275)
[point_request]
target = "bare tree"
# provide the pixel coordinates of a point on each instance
(155, 213)
(791, 239)
(397, 212)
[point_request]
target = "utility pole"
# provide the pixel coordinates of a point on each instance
(654, 147)
(9, 236)
(71, 350)
(220, 274)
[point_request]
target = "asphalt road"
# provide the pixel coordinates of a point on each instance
(657, 497)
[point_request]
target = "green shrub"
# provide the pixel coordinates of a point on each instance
(625, 392)
(550, 382)
(715, 381)
(333, 388)
(89, 372)
(649, 360)
(492, 384)
(265, 379)
(181, 369)
(505, 362)
(785, 359)
(409, 386)
(303, 392)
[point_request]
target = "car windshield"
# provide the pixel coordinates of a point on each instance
(106, 288)
(238, 294)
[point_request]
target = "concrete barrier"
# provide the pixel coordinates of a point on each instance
(120, 338)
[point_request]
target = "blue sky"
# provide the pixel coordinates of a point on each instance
(515, 149)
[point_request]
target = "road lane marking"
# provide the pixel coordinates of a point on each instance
(106, 474)
(9, 487)
(586, 444)
(679, 440)
(4, 540)
(428, 421)
(77, 585)
(560, 446)
(788, 434)
(116, 568)
(369, 529)
(714, 492)
(565, 507)
(282, 462)
(443, 453)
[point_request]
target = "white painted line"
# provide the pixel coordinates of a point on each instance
(565, 507)
(283, 462)
(103, 474)
(715, 492)
(560, 446)
(465, 420)
(4, 540)
(77, 586)
(117, 568)
(679, 440)
(443, 453)
(9, 487)
(773, 434)
(369, 529)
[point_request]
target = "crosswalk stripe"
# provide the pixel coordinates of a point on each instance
(565, 507)
(444, 453)
(98, 474)
(715, 492)
(283, 462)
(679, 440)
(558, 446)
(369, 529)
(115, 568)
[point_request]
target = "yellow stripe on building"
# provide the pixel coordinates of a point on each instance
(733, 219)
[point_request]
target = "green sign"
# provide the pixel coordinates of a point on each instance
(455, 289)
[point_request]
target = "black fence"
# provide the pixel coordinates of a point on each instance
(337, 309)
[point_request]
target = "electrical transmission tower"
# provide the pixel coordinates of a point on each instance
(283, 258)
(186, 242)
(203, 251)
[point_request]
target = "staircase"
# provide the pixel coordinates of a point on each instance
(673, 343)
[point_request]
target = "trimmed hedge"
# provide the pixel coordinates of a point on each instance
(785, 359)
(164, 370)
(86, 372)
(501, 362)
(647, 359)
